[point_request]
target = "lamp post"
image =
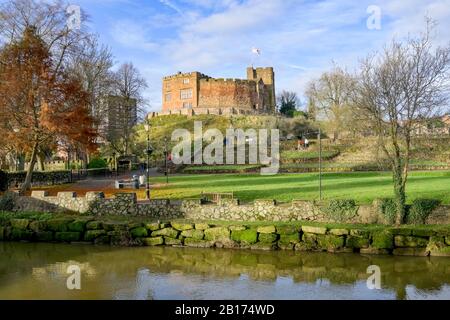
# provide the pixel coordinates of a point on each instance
(320, 163)
(166, 154)
(17, 160)
(149, 152)
(114, 163)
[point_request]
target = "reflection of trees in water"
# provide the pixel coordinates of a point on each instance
(143, 285)
(110, 264)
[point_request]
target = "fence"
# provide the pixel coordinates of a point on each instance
(216, 197)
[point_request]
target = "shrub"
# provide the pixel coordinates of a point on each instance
(420, 210)
(7, 202)
(97, 163)
(388, 209)
(6, 216)
(341, 210)
(3, 181)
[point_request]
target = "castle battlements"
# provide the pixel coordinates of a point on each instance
(195, 92)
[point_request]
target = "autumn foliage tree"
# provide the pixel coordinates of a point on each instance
(40, 104)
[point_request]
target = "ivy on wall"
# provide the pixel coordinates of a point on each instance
(341, 210)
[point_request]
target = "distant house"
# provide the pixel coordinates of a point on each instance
(433, 127)
(120, 116)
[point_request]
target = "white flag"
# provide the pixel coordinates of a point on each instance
(256, 51)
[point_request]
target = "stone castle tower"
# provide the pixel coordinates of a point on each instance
(196, 93)
(268, 78)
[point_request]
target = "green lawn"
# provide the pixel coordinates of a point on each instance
(363, 187)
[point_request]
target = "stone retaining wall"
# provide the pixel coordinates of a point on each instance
(382, 240)
(95, 203)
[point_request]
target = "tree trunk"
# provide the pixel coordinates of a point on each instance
(41, 160)
(27, 183)
(400, 196)
(335, 136)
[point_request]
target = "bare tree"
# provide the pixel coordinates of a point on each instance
(92, 66)
(50, 20)
(330, 96)
(398, 88)
(128, 89)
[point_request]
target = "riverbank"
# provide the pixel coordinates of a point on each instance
(426, 240)
(39, 270)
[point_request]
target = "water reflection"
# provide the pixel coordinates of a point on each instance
(38, 271)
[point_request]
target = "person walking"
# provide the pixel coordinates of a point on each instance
(300, 143)
(306, 143)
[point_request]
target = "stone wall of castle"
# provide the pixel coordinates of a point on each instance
(228, 93)
(195, 93)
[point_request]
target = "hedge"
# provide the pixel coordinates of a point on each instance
(3, 181)
(39, 177)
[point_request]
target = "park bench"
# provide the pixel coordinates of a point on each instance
(131, 183)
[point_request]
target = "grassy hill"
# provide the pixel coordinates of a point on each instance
(162, 127)
(357, 154)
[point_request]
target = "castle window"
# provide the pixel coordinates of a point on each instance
(186, 94)
(168, 97)
(187, 105)
(186, 81)
(167, 86)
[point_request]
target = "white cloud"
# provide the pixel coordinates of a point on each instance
(298, 38)
(132, 35)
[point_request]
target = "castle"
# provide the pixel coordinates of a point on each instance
(196, 93)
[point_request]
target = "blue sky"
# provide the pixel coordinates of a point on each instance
(300, 39)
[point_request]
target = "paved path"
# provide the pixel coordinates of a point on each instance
(97, 184)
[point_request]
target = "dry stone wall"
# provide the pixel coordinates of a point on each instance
(126, 204)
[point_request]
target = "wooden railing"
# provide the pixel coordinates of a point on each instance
(216, 197)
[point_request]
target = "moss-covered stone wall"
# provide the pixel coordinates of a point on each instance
(299, 237)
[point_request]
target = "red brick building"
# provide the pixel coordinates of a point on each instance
(195, 93)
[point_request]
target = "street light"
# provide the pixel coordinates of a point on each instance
(17, 160)
(149, 153)
(166, 154)
(115, 163)
(320, 163)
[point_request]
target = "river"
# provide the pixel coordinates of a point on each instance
(39, 271)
